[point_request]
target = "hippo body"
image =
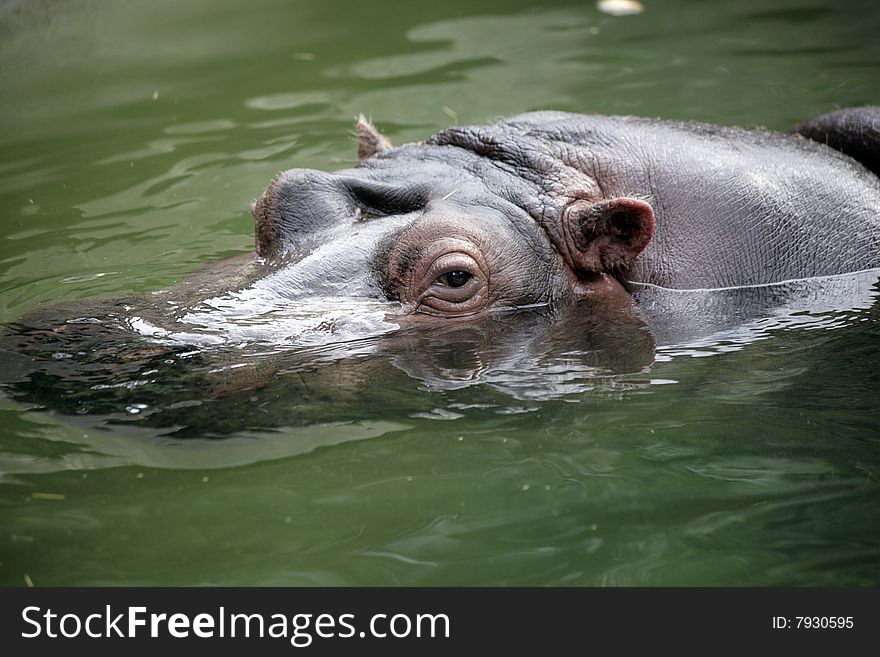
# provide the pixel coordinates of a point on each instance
(532, 255)
(732, 207)
(549, 205)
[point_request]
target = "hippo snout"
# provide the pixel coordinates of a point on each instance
(298, 203)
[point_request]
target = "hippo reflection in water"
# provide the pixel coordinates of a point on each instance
(524, 254)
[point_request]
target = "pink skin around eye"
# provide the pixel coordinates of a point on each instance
(424, 291)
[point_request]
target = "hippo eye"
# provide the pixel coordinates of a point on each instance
(443, 277)
(451, 279)
(457, 278)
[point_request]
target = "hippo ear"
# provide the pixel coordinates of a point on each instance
(369, 140)
(606, 235)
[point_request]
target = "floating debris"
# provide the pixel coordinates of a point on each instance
(439, 414)
(55, 497)
(28, 582)
(620, 7)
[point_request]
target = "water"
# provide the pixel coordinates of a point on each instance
(135, 135)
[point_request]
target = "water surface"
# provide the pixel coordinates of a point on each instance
(744, 451)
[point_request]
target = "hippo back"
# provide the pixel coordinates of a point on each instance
(733, 207)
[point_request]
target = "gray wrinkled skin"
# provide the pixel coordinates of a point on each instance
(732, 207)
(720, 234)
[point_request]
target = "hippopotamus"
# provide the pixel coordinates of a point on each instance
(549, 207)
(542, 236)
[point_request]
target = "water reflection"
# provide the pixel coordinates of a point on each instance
(702, 322)
(338, 362)
(93, 364)
(531, 354)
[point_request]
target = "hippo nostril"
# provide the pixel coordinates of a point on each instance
(297, 202)
(384, 199)
(302, 203)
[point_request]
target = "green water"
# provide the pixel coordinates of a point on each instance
(133, 136)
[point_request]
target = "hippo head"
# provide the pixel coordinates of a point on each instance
(493, 256)
(472, 221)
(472, 259)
